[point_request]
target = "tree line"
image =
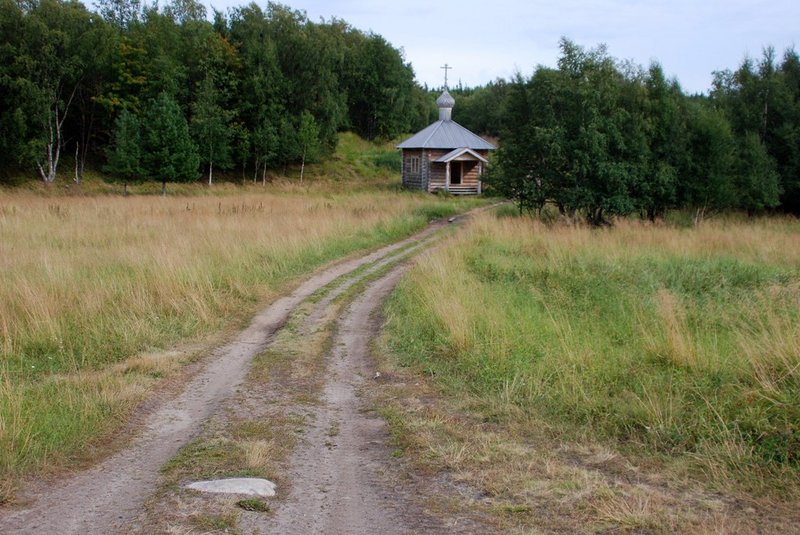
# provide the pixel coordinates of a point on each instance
(162, 93)
(599, 137)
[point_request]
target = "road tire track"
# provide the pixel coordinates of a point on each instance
(109, 496)
(344, 483)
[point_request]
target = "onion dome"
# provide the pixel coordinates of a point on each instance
(445, 102)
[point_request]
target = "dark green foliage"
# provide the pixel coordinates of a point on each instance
(575, 136)
(243, 83)
(706, 178)
(762, 102)
(599, 137)
(15, 128)
(46, 47)
(308, 137)
(379, 87)
(169, 154)
(212, 129)
(784, 137)
(528, 162)
(596, 136)
(266, 145)
(756, 180)
(308, 133)
(664, 122)
(121, 13)
(124, 154)
(482, 109)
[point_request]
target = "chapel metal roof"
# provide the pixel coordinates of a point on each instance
(445, 135)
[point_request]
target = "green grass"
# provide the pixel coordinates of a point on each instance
(253, 504)
(358, 161)
(225, 523)
(683, 344)
(99, 290)
(356, 164)
(210, 459)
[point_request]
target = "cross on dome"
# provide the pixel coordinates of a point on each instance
(446, 68)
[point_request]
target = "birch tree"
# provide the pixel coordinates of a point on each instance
(211, 128)
(308, 138)
(49, 64)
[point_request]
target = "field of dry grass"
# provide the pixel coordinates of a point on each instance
(103, 296)
(640, 377)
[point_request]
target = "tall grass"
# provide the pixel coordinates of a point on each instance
(91, 286)
(682, 342)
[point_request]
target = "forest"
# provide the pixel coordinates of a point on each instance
(144, 92)
(162, 93)
(599, 137)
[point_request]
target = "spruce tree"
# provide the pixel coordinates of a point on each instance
(170, 155)
(125, 152)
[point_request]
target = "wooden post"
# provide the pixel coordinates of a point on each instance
(425, 171)
(447, 178)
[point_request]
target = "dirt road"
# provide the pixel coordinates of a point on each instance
(338, 482)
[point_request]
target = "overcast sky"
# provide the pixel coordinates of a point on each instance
(484, 40)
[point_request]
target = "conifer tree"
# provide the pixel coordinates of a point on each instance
(125, 152)
(170, 155)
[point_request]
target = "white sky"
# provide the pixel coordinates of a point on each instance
(484, 40)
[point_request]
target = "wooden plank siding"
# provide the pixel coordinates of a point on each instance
(432, 176)
(437, 170)
(470, 180)
(411, 179)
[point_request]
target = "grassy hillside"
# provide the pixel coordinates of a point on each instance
(678, 347)
(356, 164)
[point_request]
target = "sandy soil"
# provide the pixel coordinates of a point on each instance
(340, 484)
